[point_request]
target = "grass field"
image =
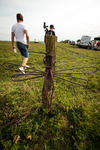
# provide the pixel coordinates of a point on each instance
(75, 120)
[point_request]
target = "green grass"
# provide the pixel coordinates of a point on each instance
(75, 120)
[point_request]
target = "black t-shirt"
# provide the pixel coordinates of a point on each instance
(50, 32)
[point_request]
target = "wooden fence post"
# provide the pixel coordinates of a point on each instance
(51, 46)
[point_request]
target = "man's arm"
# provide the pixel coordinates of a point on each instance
(27, 37)
(12, 39)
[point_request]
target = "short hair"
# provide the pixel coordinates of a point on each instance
(19, 16)
(51, 26)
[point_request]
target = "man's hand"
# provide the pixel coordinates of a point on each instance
(14, 47)
(28, 46)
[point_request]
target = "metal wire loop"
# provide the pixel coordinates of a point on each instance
(73, 81)
(21, 66)
(37, 76)
(45, 61)
(77, 72)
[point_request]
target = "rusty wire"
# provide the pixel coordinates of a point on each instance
(72, 81)
(49, 99)
(49, 70)
(38, 73)
(37, 52)
(72, 52)
(78, 72)
(21, 66)
(58, 73)
(37, 76)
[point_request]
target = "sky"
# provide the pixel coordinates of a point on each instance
(71, 18)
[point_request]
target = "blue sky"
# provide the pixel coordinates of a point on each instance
(71, 19)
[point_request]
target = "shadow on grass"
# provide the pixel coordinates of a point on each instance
(66, 128)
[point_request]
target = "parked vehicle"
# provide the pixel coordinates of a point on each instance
(72, 43)
(78, 43)
(36, 41)
(91, 44)
(96, 45)
(85, 41)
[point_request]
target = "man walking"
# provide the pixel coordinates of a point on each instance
(20, 31)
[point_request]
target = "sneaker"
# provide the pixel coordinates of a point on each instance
(22, 70)
(27, 66)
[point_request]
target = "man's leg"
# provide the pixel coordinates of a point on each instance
(25, 55)
(24, 61)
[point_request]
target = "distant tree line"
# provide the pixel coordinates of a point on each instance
(65, 41)
(68, 41)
